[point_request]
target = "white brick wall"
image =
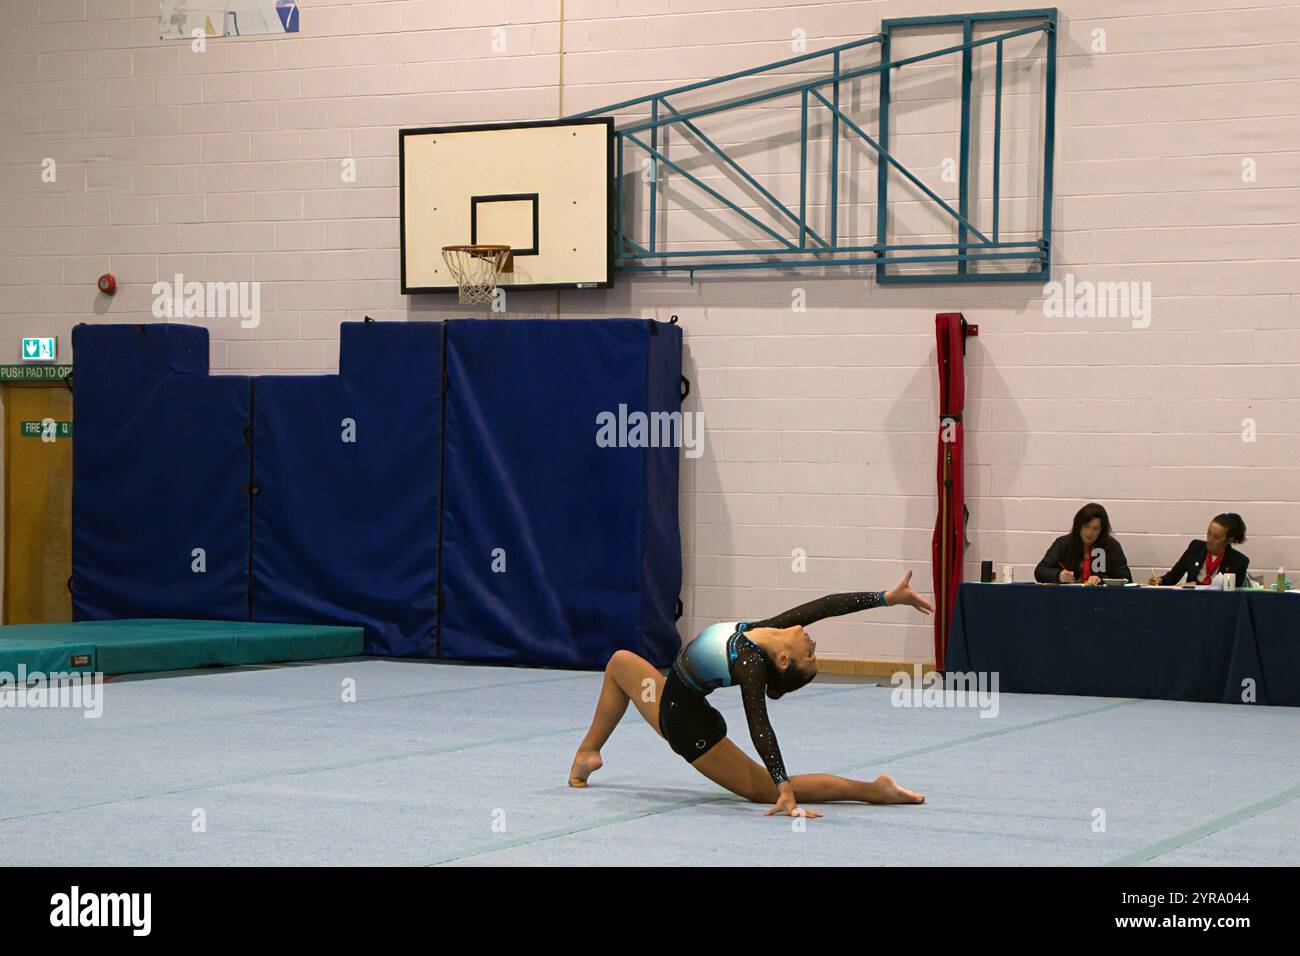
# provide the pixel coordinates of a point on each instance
(225, 166)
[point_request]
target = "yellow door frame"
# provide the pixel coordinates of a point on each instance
(6, 391)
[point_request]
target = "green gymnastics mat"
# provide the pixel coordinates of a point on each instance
(139, 645)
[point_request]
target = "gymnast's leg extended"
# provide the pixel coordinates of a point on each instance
(731, 768)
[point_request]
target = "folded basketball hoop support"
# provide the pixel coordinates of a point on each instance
(798, 244)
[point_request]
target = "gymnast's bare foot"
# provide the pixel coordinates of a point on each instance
(585, 763)
(890, 792)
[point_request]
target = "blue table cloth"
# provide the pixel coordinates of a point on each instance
(1168, 643)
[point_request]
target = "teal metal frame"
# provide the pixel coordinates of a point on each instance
(806, 247)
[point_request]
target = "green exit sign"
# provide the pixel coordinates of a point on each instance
(40, 349)
(49, 429)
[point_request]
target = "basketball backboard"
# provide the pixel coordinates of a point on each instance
(544, 189)
(227, 18)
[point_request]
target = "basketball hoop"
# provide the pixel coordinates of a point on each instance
(476, 270)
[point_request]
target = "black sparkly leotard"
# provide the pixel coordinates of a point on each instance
(723, 655)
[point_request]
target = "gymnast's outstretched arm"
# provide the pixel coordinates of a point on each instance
(835, 605)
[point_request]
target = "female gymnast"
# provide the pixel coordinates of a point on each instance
(773, 656)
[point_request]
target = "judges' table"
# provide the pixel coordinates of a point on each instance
(1166, 643)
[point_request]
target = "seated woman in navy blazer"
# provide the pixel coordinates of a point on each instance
(1204, 559)
(1087, 554)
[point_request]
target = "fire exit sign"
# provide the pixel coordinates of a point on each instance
(40, 349)
(49, 429)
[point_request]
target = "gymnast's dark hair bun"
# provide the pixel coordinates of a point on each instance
(1232, 523)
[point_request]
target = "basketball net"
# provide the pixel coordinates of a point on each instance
(476, 270)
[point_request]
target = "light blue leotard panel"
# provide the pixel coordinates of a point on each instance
(709, 657)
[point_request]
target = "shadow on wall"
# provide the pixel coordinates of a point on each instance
(687, 504)
(909, 435)
(914, 463)
(995, 440)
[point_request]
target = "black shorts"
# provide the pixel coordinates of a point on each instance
(687, 720)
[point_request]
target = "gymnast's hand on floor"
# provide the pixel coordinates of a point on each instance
(786, 805)
(903, 594)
